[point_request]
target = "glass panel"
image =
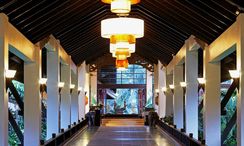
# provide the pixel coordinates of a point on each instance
(140, 71)
(143, 76)
(127, 81)
(127, 75)
(118, 75)
(139, 81)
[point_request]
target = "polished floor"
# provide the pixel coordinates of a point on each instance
(122, 136)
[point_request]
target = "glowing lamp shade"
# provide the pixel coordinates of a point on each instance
(121, 6)
(61, 84)
(183, 84)
(234, 74)
(122, 64)
(122, 45)
(122, 38)
(43, 81)
(171, 86)
(164, 89)
(122, 26)
(72, 86)
(201, 80)
(121, 54)
(10, 73)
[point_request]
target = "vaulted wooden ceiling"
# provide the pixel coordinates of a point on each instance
(76, 23)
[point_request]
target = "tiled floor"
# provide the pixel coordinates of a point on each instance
(121, 136)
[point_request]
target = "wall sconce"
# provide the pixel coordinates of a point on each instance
(72, 86)
(42, 82)
(183, 85)
(156, 90)
(172, 87)
(79, 90)
(60, 86)
(234, 74)
(10, 74)
(201, 82)
(164, 89)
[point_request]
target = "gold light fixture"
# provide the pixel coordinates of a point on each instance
(122, 31)
(121, 6)
(122, 45)
(121, 54)
(122, 26)
(122, 64)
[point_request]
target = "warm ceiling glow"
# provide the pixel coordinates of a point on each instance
(201, 80)
(183, 84)
(171, 86)
(43, 81)
(61, 84)
(122, 26)
(10, 73)
(234, 74)
(72, 86)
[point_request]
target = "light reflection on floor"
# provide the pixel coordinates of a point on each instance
(121, 136)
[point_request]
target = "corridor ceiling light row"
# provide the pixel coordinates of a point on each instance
(122, 31)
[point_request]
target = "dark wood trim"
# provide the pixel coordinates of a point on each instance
(15, 127)
(230, 91)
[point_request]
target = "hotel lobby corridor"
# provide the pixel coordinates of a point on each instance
(121, 64)
(121, 135)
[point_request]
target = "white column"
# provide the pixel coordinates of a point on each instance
(149, 86)
(191, 100)
(87, 90)
(155, 87)
(211, 109)
(162, 97)
(65, 96)
(93, 93)
(178, 96)
(3, 67)
(32, 100)
(81, 83)
(169, 96)
(53, 77)
(240, 67)
(74, 98)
